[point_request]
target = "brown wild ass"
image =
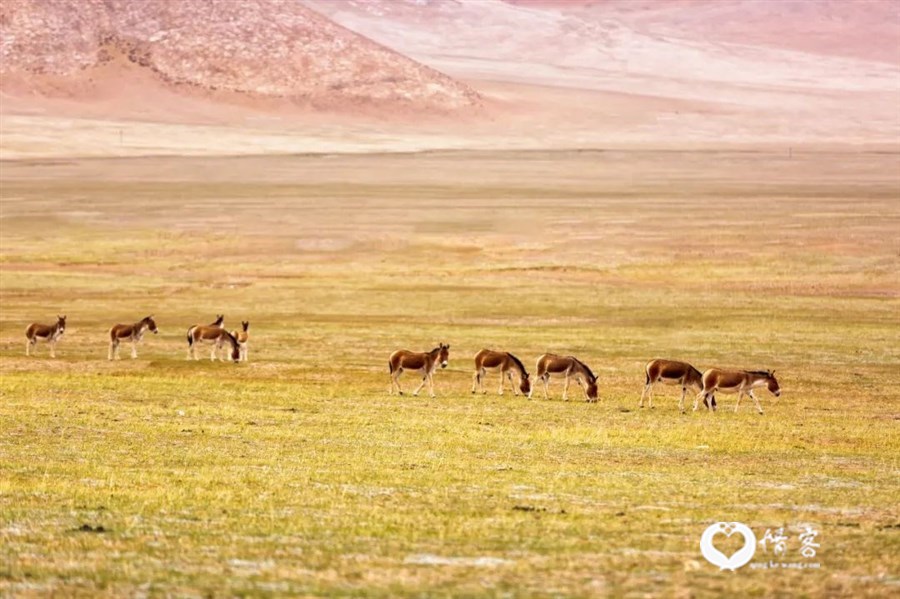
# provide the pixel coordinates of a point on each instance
(550, 365)
(218, 336)
(133, 332)
(423, 363)
(51, 333)
(735, 381)
(242, 336)
(218, 323)
(670, 372)
(506, 364)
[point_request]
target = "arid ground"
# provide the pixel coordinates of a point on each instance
(298, 474)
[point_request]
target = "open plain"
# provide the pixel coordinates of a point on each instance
(297, 473)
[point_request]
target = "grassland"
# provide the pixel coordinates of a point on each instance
(296, 474)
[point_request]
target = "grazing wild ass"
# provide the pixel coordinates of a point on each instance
(735, 381)
(51, 333)
(242, 336)
(133, 332)
(670, 372)
(550, 365)
(507, 364)
(423, 363)
(211, 336)
(218, 336)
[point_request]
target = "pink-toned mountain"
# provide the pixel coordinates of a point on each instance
(862, 29)
(661, 71)
(266, 49)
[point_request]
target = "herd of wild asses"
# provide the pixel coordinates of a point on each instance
(548, 366)
(213, 333)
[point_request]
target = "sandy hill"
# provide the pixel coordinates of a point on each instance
(688, 70)
(372, 75)
(252, 50)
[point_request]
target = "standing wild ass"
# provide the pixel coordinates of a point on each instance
(51, 333)
(735, 381)
(216, 335)
(206, 334)
(423, 363)
(242, 336)
(133, 332)
(670, 372)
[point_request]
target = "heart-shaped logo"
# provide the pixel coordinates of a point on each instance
(716, 557)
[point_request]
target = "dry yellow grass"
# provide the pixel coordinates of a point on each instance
(298, 474)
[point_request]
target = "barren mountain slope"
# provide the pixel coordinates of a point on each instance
(730, 70)
(257, 48)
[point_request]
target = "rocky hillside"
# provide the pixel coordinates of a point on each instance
(258, 48)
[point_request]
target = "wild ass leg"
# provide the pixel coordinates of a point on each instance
(738, 404)
(697, 399)
(502, 376)
(52, 345)
(396, 379)
(113, 344)
(431, 382)
(544, 380)
(422, 384)
(566, 389)
(476, 379)
(134, 343)
(756, 401)
(28, 345)
(681, 401)
(512, 383)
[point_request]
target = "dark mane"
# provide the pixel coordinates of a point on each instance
(518, 363)
(762, 372)
(232, 339)
(585, 366)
